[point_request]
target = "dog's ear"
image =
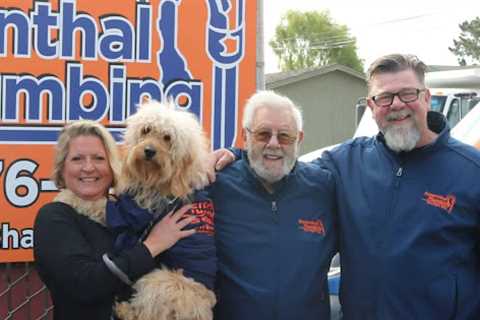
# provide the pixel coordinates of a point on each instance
(182, 178)
(129, 175)
(123, 181)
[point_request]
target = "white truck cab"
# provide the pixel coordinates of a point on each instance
(454, 103)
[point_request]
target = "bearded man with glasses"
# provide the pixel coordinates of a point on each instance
(275, 226)
(409, 206)
(400, 103)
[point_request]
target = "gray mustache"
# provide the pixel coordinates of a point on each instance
(398, 114)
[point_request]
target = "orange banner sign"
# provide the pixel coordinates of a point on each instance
(65, 60)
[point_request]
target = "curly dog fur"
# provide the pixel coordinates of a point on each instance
(165, 294)
(167, 154)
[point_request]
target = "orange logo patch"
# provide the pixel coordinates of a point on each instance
(443, 202)
(313, 226)
(204, 215)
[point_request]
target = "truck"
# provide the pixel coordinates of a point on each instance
(454, 92)
(454, 103)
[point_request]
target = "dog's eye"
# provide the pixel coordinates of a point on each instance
(167, 138)
(146, 130)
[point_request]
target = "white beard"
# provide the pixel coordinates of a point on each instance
(401, 137)
(267, 174)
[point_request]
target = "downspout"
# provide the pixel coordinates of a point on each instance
(260, 64)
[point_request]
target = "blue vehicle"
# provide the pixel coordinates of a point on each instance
(334, 287)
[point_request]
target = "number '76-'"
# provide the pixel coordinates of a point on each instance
(20, 187)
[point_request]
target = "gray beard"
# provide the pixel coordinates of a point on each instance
(402, 138)
(267, 175)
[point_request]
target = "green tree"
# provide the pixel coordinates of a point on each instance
(467, 46)
(310, 39)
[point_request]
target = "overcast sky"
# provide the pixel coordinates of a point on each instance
(422, 27)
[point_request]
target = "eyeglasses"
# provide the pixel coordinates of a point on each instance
(265, 135)
(408, 95)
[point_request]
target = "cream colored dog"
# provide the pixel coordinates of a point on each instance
(167, 154)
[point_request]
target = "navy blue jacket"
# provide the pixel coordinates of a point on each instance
(195, 255)
(274, 250)
(409, 229)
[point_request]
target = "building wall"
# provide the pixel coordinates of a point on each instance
(328, 104)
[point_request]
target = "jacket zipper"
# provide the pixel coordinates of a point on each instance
(399, 171)
(398, 174)
(276, 221)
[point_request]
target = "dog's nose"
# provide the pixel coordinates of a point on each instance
(149, 152)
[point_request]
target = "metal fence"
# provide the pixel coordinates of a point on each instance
(23, 296)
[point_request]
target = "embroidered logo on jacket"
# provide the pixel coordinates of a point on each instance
(443, 202)
(313, 226)
(204, 213)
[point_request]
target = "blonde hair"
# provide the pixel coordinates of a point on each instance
(84, 128)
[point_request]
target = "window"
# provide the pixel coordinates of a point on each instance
(438, 102)
(453, 115)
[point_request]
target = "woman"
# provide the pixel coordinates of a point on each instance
(73, 247)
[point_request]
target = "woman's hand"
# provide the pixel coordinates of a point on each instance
(169, 230)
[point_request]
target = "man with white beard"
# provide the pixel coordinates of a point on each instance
(408, 203)
(275, 223)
